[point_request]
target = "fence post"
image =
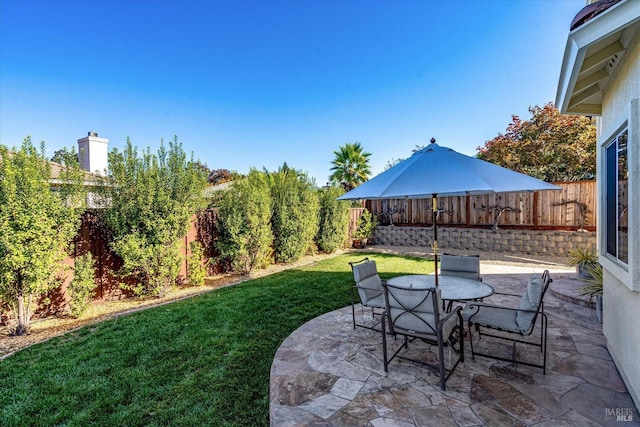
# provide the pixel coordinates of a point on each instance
(536, 218)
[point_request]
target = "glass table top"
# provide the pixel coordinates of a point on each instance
(451, 287)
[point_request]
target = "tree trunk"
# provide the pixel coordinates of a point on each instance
(23, 316)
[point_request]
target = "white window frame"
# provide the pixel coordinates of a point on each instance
(612, 232)
(629, 274)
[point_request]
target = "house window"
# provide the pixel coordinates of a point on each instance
(617, 197)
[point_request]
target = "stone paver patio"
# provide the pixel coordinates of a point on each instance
(328, 374)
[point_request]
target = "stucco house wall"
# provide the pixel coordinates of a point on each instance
(621, 299)
(600, 76)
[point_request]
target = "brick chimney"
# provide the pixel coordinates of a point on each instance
(92, 153)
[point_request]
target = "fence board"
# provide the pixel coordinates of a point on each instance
(353, 219)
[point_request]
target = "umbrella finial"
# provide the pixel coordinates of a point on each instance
(433, 140)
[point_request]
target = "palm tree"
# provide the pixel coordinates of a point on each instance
(350, 166)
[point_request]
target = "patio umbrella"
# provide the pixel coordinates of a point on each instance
(440, 171)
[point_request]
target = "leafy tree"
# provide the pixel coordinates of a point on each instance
(65, 156)
(294, 214)
(37, 225)
(550, 146)
(202, 167)
(350, 166)
(244, 223)
(217, 176)
(391, 163)
(220, 176)
(150, 201)
(333, 220)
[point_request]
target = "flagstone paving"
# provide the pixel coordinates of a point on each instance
(328, 374)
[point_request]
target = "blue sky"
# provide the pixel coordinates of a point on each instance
(258, 83)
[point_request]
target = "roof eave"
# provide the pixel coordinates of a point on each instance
(617, 18)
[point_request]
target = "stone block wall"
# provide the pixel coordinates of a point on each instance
(530, 242)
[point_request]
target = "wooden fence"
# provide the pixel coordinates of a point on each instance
(92, 238)
(353, 219)
(572, 208)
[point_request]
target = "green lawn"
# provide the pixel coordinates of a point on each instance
(201, 361)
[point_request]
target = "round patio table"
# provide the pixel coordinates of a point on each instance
(451, 287)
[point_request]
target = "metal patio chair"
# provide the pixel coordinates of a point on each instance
(368, 288)
(516, 323)
(467, 266)
(415, 313)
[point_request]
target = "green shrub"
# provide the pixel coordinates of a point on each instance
(593, 281)
(155, 267)
(196, 272)
(333, 220)
(149, 205)
(365, 226)
(294, 219)
(244, 213)
(81, 287)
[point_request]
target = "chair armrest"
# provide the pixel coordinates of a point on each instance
(477, 306)
(504, 293)
(365, 287)
(451, 313)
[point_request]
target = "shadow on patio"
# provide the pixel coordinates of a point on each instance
(326, 373)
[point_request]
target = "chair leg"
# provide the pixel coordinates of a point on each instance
(544, 350)
(462, 342)
(471, 342)
(462, 345)
(384, 344)
(353, 313)
(443, 374)
(353, 309)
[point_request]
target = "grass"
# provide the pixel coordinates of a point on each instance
(201, 361)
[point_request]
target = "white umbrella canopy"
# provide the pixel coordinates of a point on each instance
(440, 171)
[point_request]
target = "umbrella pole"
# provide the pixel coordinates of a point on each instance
(435, 234)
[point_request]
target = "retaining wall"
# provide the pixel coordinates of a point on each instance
(531, 242)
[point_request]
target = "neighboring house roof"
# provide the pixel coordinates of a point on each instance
(210, 190)
(603, 31)
(89, 179)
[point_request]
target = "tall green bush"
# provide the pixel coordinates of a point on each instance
(196, 272)
(244, 214)
(150, 201)
(333, 220)
(294, 218)
(37, 225)
(81, 287)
